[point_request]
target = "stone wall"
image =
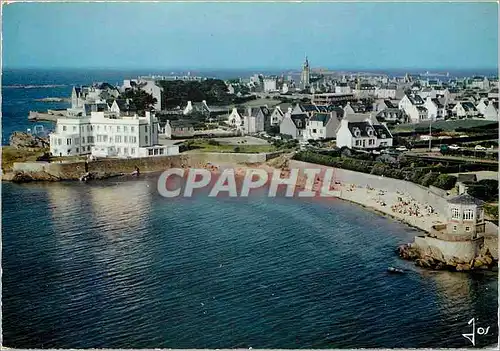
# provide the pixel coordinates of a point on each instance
(418, 192)
(29, 166)
(74, 170)
(463, 250)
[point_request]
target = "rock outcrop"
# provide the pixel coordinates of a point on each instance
(26, 177)
(21, 140)
(432, 259)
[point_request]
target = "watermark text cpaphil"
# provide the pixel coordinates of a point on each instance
(179, 182)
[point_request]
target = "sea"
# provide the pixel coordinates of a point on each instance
(112, 264)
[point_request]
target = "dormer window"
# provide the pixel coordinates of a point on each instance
(369, 131)
(357, 133)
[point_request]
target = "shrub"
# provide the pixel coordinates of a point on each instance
(213, 142)
(491, 210)
(237, 149)
(429, 179)
(445, 181)
(486, 190)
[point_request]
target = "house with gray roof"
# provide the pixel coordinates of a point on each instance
(366, 133)
(197, 107)
(465, 109)
(322, 125)
(435, 109)
(294, 125)
(392, 115)
(123, 107)
(178, 129)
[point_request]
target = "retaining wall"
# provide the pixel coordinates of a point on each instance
(464, 250)
(418, 192)
(29, 166)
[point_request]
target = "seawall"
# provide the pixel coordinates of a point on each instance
(74, 170)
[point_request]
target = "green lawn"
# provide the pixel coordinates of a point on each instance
(204, 146)
(447, 126)
(11, 155)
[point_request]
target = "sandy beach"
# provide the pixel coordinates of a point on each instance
(400, 206)
(397, 205)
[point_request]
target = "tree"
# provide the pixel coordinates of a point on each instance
(485, 189)
(445, 181)
(142, 100)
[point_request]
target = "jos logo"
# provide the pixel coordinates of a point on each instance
(479, 330)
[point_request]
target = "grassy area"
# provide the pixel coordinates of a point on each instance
(209, 145)
(271, 103)
(11, 155)
(447, 126)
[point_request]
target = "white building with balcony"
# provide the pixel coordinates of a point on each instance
(108, 135)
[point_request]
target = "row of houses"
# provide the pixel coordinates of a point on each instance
(316, 122)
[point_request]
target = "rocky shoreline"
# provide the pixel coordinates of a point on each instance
(28, 177)
(426, 259)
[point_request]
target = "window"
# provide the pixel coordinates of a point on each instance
(64, 128)
(469, 214)
(150, 152)
(455, 213)
(83, 140)
(132, 150)
(88, 128)
(162, 151)
(74, 128)
(99, 138)
(467, 229)
(125, 151)
(146, 129)
(146, 139)
(88, 148)
(119, 150)
(314, 131)
(156, 151)
(59, 141)
(105, 138)
(118, 129)
(125, 129)
(118, 139)
(125, 139)
(77, 150)
(454, 228)
(98, 128)
(68, 141)
(132, 129)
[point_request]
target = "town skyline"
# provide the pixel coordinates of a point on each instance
(338, 36)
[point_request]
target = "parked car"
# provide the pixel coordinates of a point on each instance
(401, 148)
(454, 147)
(479, 147)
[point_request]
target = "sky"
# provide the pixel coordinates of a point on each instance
(251, 35)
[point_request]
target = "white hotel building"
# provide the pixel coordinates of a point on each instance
(105, 134)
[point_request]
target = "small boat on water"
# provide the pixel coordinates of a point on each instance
(395, 270)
